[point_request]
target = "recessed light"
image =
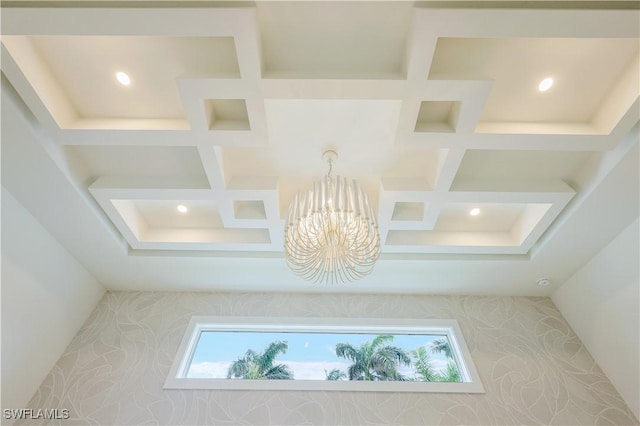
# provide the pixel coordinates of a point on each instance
(545, 84)
(123, 78)
(474, 211)
(543, 282)
(182, 209)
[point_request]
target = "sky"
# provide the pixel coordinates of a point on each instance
(308, 356)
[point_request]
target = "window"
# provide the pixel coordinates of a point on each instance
(323, 354)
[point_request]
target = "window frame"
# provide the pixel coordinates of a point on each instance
(470, 379)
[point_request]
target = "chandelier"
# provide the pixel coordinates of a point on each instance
(331, 234)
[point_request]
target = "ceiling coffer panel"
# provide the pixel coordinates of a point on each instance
(436, 112)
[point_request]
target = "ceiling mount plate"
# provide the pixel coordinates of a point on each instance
(330, 156)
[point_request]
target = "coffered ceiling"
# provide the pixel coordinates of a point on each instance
(434, 110)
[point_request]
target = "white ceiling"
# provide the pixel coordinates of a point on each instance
(433, 110)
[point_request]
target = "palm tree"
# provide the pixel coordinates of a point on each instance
(259, 366)
(450, 374)
(374, 360)
(441, 345)
(422, 365)
(335, 374)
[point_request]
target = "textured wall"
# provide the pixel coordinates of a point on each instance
(534, 368)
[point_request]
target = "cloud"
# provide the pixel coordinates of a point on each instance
(439, 364)
(306, 345)
(406, 371)
(302, 370)
(314, 370)
(209, 370)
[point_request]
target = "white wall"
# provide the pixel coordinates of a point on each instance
(601, 302)
(46, 297)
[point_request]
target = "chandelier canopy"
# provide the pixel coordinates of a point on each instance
(331, 233)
